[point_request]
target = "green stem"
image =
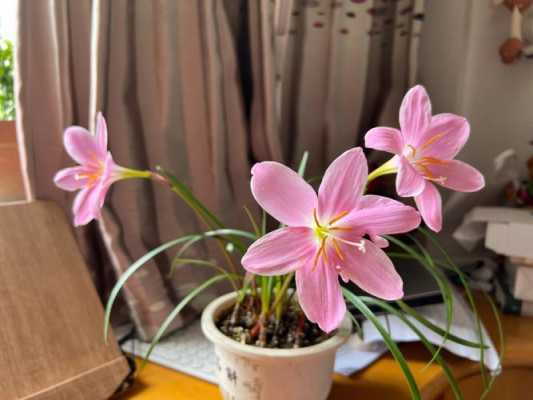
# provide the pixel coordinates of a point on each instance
(388, 168)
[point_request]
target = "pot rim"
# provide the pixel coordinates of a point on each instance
(214, 334)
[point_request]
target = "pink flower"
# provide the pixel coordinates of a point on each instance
(95, 174)
(324, 236)
(425, 148)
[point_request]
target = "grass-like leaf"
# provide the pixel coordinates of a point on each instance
(469, 296)
(204, 263)
(437, 329)
(427, 262)
(391, 344)
(130, 271)
(434, 352)
(174, 313)
(151, 254)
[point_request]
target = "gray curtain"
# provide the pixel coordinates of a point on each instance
(204, 88)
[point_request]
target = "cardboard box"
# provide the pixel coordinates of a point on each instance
(507, 231)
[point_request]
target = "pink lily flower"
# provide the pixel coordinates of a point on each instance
(95, 174)
(324, 235)
(425, 148)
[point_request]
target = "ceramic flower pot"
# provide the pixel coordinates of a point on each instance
(251, 373)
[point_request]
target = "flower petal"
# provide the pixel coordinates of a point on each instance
(280, 251)
(319, 294)
(101, 132)
(377, 215)
(458, 176)
(445, 137)
(385, 139)
(429, 204)
(409, 182)
(87, 204)
(372, 271)
(283, 193)
(343, 184)
(415, 115)
(82, 146)
(71, 178)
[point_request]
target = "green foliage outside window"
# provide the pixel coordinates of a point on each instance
(7, 97)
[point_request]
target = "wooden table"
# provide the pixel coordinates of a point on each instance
(383, 379)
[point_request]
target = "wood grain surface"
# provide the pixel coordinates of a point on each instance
(51, 319)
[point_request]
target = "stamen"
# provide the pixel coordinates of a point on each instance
(360, 245)
(337, 249)
(339, 216)
(413, 150)
(317, 256)
(431, 140)
(316, 218)
(340, 228)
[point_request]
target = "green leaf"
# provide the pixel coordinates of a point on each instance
(303, 164)
(426, 261)
(148, 256)
(437, 329)
(434, 352)
(204, 263)
(469, 296)
(391, 344)
(174, 313)
(130, 271)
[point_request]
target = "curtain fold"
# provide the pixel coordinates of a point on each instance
(204, 88)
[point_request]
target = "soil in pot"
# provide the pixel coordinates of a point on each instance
(291, 330)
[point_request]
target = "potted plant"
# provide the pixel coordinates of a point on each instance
(276, 333)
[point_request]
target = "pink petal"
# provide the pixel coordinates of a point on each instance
(101, 132)
(372, 271)
(377, 215)
(385, 139)
(319, 294)
(379, 241)
(82, 146)
(458, 176)
(409, 182)
(429, 204)
(343, 184)
(71, 178)
(415, 115)
(87, 204)
(283, 193)
(280, 251)
(445, 137)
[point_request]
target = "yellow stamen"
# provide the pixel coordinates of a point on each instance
(337, 249)
(413, 150)
(318, 253)
(316, 218)
(339, 216)
(432, 140)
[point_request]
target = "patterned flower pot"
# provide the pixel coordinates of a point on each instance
(252, 373)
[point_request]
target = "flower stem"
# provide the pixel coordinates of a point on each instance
(388, 168)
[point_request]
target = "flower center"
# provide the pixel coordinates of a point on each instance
(422, 163)
(92, 176)
(326, 233)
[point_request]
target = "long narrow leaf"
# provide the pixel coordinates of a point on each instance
(204, 263)
(151, 254)
(437, 329)
(426, 261)
(434, 352)
(469, 296)
(391, 344)
(174, 313)
(130, 271)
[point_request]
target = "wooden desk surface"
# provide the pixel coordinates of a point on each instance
(383, 379)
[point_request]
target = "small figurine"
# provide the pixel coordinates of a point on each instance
(513, 48)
